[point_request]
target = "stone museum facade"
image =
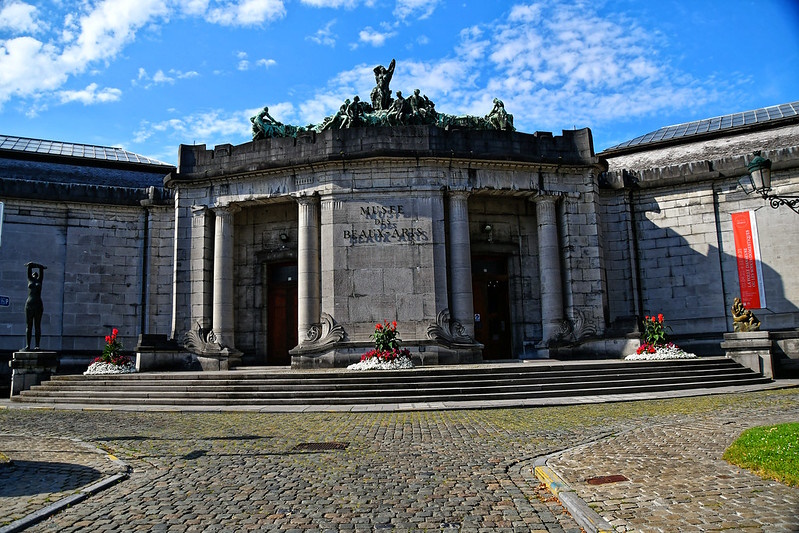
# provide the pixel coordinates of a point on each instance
(481, 242)
(291, 249)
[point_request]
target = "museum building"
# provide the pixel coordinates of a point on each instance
(482, 243)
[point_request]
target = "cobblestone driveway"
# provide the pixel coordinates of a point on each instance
(437, 470)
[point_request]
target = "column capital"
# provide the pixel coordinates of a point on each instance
(547, 196)
(307, 199)
(225, 210)
(460, 194)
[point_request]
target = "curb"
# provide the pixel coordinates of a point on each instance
(45, 512)
(586, 517)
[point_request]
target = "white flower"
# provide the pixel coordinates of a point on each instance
(374, 363)
(662, 353)
(108, 368)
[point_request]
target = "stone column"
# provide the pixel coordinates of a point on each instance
(460, 262)
(549, 267)
(309, 297)
(223, 276)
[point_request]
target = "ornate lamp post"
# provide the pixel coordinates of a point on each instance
(760, 182)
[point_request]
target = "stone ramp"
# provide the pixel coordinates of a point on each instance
(504, 383)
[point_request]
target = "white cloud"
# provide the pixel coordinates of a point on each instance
(324, 35)
(213, 126)
(331, 3)
(266, 63)
(420, 9)
(247, 12)
(29, 67)
(160, 77)
(90, 95)
(375, 38)
(19, 17)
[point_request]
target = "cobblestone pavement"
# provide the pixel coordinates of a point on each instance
(44, 470)
(675, 475)
(409, 471)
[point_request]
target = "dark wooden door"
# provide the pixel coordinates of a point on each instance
(492, 306)
(281, 319)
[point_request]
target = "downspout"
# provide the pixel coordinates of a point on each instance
(635, 256)
(720, 244)
(145, 260)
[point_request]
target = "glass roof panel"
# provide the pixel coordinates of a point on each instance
(725, 122)
(23, 144)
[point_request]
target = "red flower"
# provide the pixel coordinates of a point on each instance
(378, 326)
(114, 332)
(108, 339)
(660, 318)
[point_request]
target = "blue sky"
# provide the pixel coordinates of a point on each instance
(148, 75)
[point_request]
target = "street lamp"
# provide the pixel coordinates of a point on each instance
(759, 182)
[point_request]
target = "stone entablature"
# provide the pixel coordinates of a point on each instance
(382, 225)
(195, 162)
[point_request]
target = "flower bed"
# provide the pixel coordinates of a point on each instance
(654, 346)
(112, 361)
(387, 354)
(660, 353)
(98, 367)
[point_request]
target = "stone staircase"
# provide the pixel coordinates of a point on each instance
(467, 383)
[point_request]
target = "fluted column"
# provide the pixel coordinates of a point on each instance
(309, 297)
(223, 276)
(549, 268)
(460, 264)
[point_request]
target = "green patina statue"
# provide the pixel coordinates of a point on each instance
(384, 110)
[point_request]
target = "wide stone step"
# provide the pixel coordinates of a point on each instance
(423, 396)
(450, 384)
(397, 388)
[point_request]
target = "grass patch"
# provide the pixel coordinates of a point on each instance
(771, 452)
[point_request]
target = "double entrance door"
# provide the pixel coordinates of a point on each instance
(281, 312)
(492, 305)
(491, 308)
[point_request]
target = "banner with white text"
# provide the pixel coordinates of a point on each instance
(747, 252)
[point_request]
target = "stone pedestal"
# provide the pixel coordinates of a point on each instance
(752, 349)
(157, 352)
(31, 368)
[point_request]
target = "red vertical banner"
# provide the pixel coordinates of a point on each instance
(747, 252)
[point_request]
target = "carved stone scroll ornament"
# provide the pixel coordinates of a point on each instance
(576, 328)
(325, 333)
(447, 332)
(203, 341)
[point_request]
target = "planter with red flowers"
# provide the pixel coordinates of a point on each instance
(654, 346)
(112, 361)
(387, 354)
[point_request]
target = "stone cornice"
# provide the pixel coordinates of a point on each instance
(696, 171)
(342, 148)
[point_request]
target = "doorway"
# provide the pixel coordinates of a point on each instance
(281, 315)
(492, 305)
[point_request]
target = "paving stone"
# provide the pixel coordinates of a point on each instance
(408, 471)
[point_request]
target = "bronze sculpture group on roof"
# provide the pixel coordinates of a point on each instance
(385, 110)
